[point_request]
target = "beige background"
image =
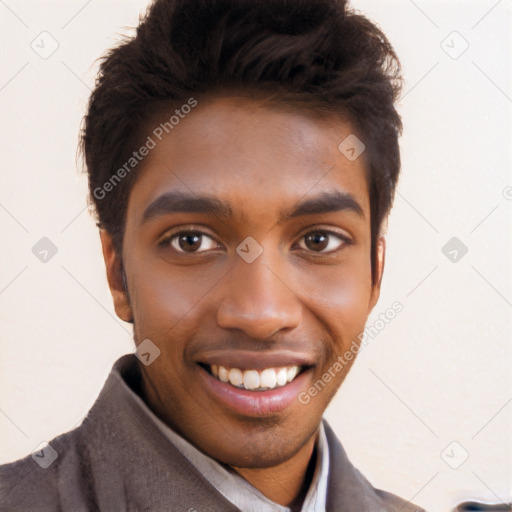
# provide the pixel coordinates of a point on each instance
(437, 374)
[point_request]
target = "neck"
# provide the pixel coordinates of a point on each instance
(286, 484)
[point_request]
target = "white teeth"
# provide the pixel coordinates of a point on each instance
(236, 377)
(291, 373)
(281, 377)
(251, 379)
(223, 374)
(269, 378)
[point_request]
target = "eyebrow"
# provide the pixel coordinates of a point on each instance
(181, 202)
(326, 202)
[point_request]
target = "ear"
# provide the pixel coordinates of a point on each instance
(380, 257)
(115, 278)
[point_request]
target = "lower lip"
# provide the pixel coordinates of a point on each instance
(254, 403)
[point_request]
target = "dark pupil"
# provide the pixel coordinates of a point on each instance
(190, 241)
(317, 238)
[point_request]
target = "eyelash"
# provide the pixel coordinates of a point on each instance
(167, 240)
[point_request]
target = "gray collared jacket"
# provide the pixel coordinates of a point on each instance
(118, 460)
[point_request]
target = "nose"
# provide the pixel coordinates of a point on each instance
(258, 300)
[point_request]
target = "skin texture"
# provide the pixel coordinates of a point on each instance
(299, 295)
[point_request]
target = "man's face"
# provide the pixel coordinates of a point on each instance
(202, 294)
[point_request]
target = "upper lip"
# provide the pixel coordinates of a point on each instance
(254, 360)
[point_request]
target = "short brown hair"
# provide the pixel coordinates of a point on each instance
(313, 53)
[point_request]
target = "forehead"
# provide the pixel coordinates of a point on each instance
(259, 158)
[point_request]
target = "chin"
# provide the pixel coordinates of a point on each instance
(260, 459)
(267, 447)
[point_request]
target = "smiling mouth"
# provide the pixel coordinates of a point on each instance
(254, 380)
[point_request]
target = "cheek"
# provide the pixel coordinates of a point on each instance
(168, 301)
(339, 296)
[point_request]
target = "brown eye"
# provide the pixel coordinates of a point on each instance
(318, 241)
(189, 242)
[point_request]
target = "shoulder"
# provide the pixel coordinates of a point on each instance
(34, 482)
(23, 484)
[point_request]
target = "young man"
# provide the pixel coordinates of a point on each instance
(242, 158)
